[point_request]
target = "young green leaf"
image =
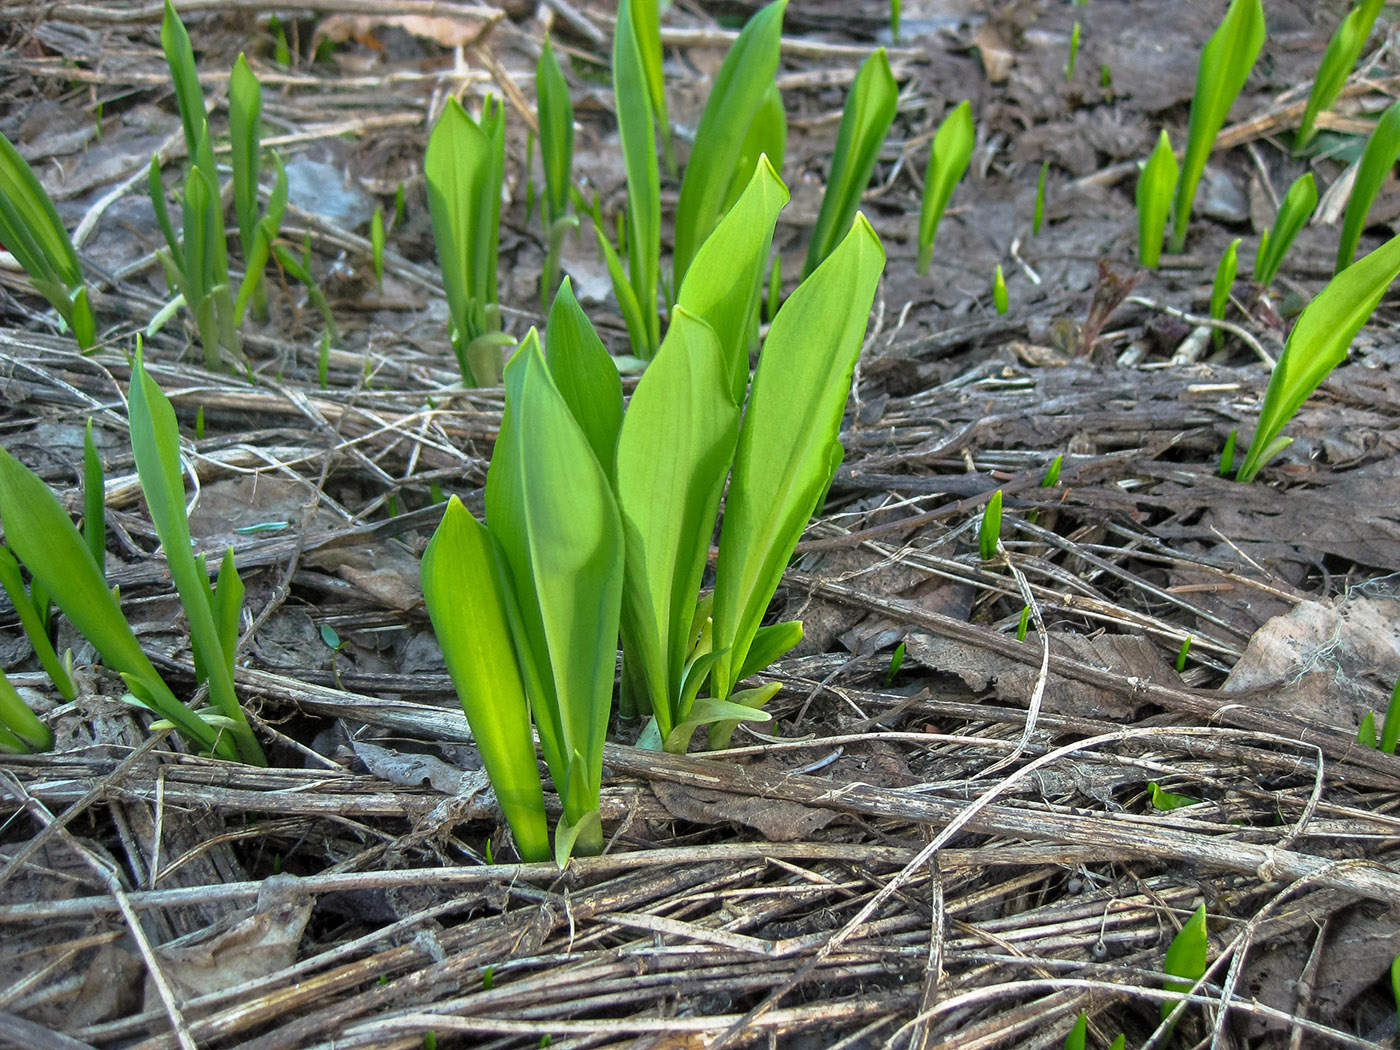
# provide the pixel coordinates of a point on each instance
(1227, 454)
(1186, 956)
(989, 531)
(1038, 215)
(94, 504)
(244, 112)
(948, 161)
(1154, 200)
(723, 285)
(1337, 61)
(1074, 37)
(468, 601)
(766, 137)
(585, 374)
(32, 621)
(1052, 473)
(556, 117)
(189, 96)
(1166, 801)
(789, 444)
(895, 10)
(549, 504)
(739, 93)
(1078, 1033)
(1374, 167)
(673, 455)
(1366, 733)
(896, 662)
(1225, 63)
(1390, 729)
(155, 445)
(21, 732)
(376, 244)
(1318, 344)
(33, 233)
(1293, 212)
(637, 131)
(1220, 292)
(1395, 982)
(646, 20)
(866, 119)
(1182, 653)
(1001, 301)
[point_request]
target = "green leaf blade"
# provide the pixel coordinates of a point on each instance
(585, 374)
(638, 133)
(949, 158)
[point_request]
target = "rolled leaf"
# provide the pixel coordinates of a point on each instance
(637, 131)
(1293, 212)
(21, 732)
(1337, 61)
(1220, 291)
(585, 374)
(948, 160)
(1154, 200)
(556, 117)
(1374, 167)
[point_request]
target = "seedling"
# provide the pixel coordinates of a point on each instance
(869, 111)
(1000, 300)
(742, 89)
(1038, 216)
(1390, 730)
(1078, 1033)
(1166, 801)
(1337, 61)
(1052, 473)
(33, 233)
(1074, 35)
(989, 532)
(464, 167)
(556, 118)
(1186, 957)
(1395, 982)
(1182, 653)
(1318, 344)
(895, 7)
(1377, 160)
(1366, 733)
(1154, 197)
(1220, 292)
(94, 505)
(21, 732)
(646, 20)
(896, 662)
(33, 621)
(1293, 212)
(376, 244)
(1225, 63)
(948, 161)
(1227, 454)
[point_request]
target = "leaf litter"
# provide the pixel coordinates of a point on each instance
(346, 896)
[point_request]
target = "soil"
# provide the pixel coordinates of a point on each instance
(969, 844)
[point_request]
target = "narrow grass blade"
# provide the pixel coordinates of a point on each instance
(646, 20)
(376, 244)
(1078, 1033)
(1220, 292)
(31, 620)
(673, 455)
(870, 109)
(1154, 200)
(1225, 63)
(155, 445)
(637, 130)
(45, 540)
(1390, 729)
(585, 375)
(1337, 61)
(1293, 212)
(467, 599)
(1186, 956)
(244, 113)
(34, 234)
(94, 505)
(189, 96)
(1038, 214)
(1318, 344)
(736, 98)
(1001, 300)
(549, 504)
(21, 732)
(789, 444)
(226, 604)
(948, 161)
(556, 117)
(1377, 161)
(724, 284)
(989, 531)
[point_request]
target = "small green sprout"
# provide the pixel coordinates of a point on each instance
(488, 976)
(1227, 454)
(1395, 982)
(1390, 730)
(869, 111)
(430, 1040)
(896, 662)
(1106, 78)
(1000, 300)
(21, 732)
(1182, 653)
(1337, 61)
(199, 423)
(1225, 272)
(94, 504)
(1318, 344)
(490, 858)
(1154, 197)
(1023, 625)
(1038, 216)
(1225, 63)
(1293, 213)
(376, 244)
(323, 361)
(948, 160)
(895, 10)
(1166, 801)
(1366, 733)
(281, 53)
(989, 532)
(1079, 1033)
(1074, 35)
(1186, 957)
(32, 621)
(1374, 167)
(1052, 473)
(556, 118)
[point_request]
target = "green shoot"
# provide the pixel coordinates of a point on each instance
(1293, 212)
(376, 244)
(1227, 454)
(465, 166)
(281, 53)
(948, 161)
(94, 506)
(1395, 982)
(556, 117)
(1225, 63)
(32, 231)
(1220, 292)
(1038, 216)
(870, 109)
(1366, 733)
(488, 978)
(323, 362)
(1052, 473)
(1182, 653)
(1166, 801)
(715, 173)
(896, 662)
(1154, 198)
(1023, 626)
(21, 732)
(1390, 730)
(1337, 61)
(32, 620)
(646, 19)
(468, 602)
(637, 290)
(774, 298)
(1377, 160)
(1079, 1033)
(244, 112)
(1119, 1043)
(1074, 35)
(430, 1040)
(1186, 957)
(1318, 344)
(585, 374)
(1000, 299)
(989, 531)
